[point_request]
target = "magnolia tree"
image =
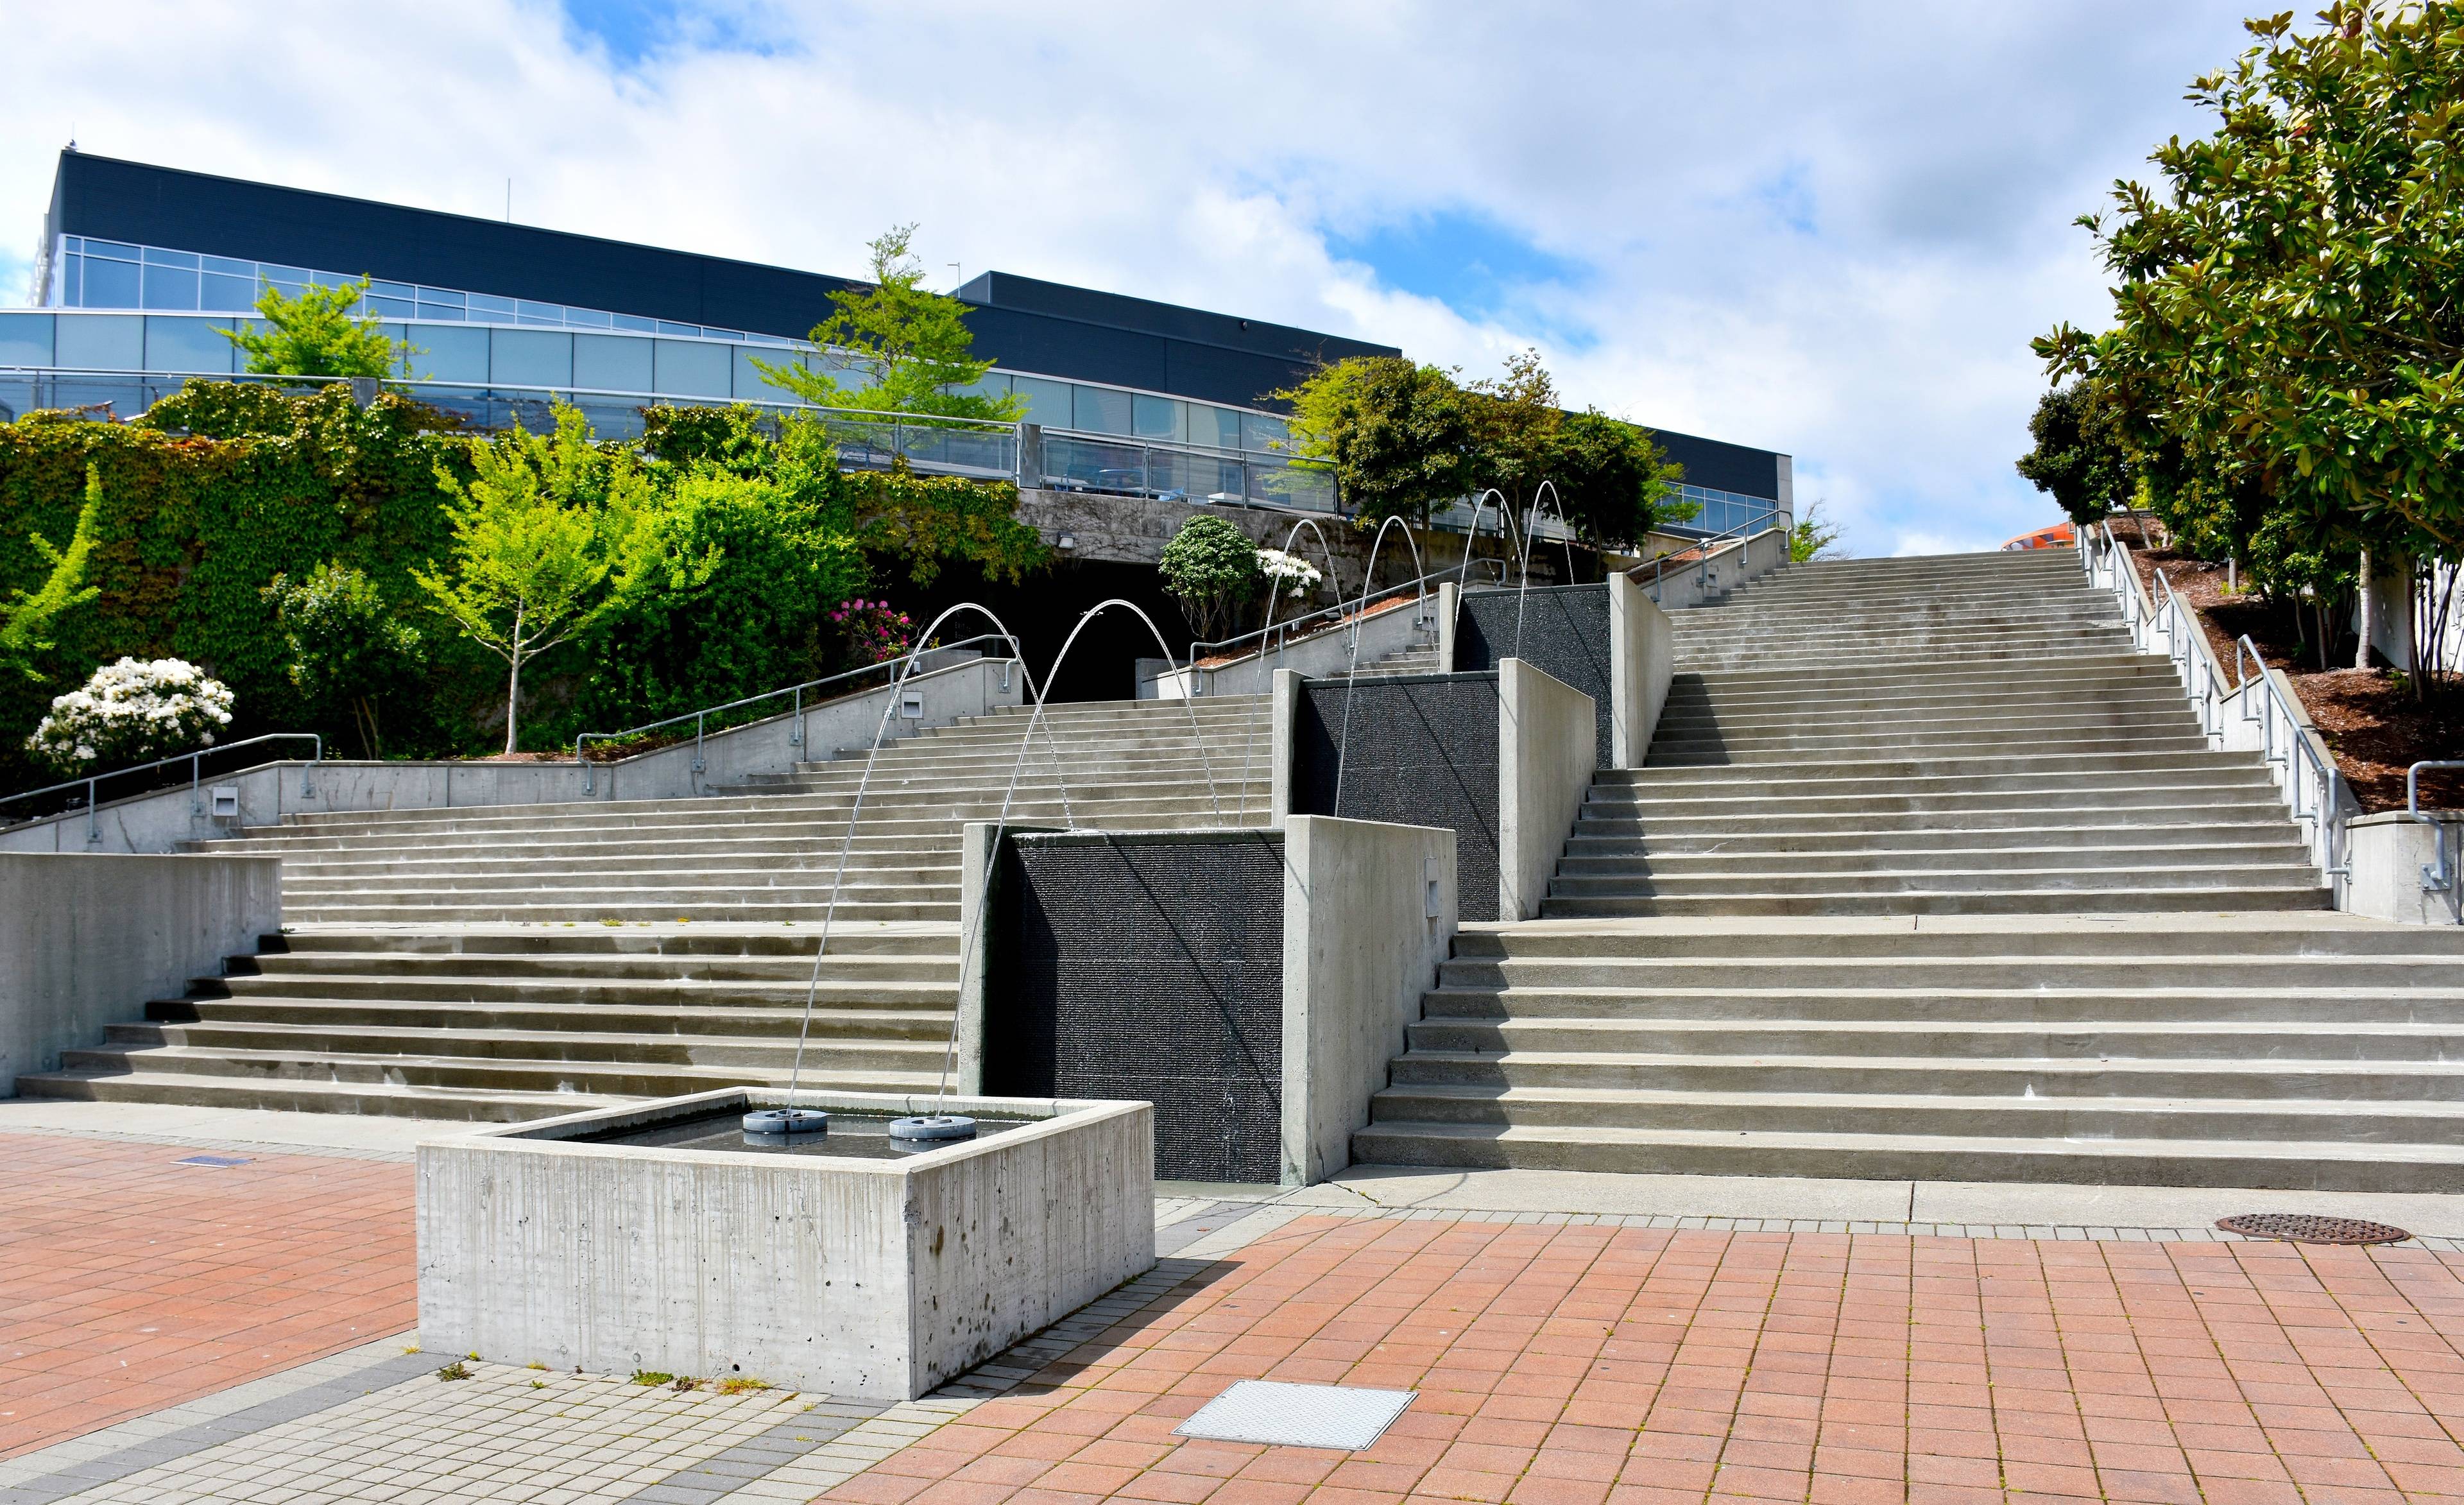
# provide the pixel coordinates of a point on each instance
(131, 712)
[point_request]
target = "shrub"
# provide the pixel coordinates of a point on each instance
(873, 631)
(347, 649)
(1212, 568)
(1289, 576)
(131, 712)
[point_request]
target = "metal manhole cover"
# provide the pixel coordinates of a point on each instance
(2302, 1228)
(1297, 1415)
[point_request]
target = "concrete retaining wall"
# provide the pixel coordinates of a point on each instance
(1406, 625)
(1544, 766)
(1691, 582)
(2387, 852)
(1368, 914)
(878, 1279)
(1642, 662)
(1408, 750)
(86, 941)
(159, 822)
(1565, 630)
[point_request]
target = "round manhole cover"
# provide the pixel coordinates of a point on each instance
(2302, 1228)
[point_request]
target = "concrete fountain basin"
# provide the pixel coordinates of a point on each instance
(857, 1276)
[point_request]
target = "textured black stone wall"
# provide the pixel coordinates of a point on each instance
(1420, 750)
(1564, 635)
(1147, 967)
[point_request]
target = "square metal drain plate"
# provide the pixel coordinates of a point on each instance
(1297, 1415)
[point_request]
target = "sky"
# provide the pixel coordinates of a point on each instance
(1828, 229)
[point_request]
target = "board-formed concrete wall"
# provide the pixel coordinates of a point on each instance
(2387, 852)
(86, 941)
(1544, 768)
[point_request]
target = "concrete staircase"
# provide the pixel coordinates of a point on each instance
(492, 963)
(1930, 876)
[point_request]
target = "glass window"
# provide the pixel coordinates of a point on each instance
(428, 310)
(1155, 418)
(1047, 401)
(392, 289)
(189, 344)
(229, 295)
(1218, 427)
(637, 324)
(25, 339)
(497, 310)
(330, 278)
(1099, 409)
(586, 318)
(227, 267)
(450, 353)
(441, 297)
(669, 326)
(111, 249)
(72, 245)
(751, 386)
(995, 385)
(156, 256)
(99, 341)
(109, 284)
(530, 358)
(68, 285)
(170, 287)
(282, 276)
(1258, 432)
(684, 369)
(611, 363)
(708, 333)
(531, 313)
(391, 307)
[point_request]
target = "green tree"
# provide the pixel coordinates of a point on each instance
(548, 540)
(2081, 460)
(1399, 436)
(911, 345)
(1516, 423)
(1815, 537)
(25, 616)
(315, 334)
(1213, 568)
(347, 647)
(1612, 477)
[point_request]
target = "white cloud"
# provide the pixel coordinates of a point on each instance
(1825, 228)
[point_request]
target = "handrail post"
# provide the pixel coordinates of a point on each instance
(307, 772)
(196, 802)
(2435, 877)
(796, 727)
(698, 718)
(93, 828)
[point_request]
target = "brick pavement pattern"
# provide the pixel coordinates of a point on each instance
(1584, 1363)
(129, 1282)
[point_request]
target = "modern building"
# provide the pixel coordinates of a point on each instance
(141, 267)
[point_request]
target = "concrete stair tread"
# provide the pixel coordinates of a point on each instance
(1609, 1096)
(2448, 1155)
(2050, 1066)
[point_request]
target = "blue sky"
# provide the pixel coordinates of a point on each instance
(1823, 227)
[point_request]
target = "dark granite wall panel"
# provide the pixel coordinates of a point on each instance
(1564, 632)
(1420, 750)
(1147, 967)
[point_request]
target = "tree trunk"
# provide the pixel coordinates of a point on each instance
(514, 685)
(2368, 615)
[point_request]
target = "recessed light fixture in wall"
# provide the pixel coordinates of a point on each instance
(1065, 543)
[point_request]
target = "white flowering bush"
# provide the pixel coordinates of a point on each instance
(131, 712)
(1288, 575)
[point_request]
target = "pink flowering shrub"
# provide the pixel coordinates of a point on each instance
(873, 630)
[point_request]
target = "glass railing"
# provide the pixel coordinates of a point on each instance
(1174, 472)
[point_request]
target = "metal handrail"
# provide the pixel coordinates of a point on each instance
(796, 692)
(2436, 877)
(94, 830)
(1703, 551)
(2145, 613)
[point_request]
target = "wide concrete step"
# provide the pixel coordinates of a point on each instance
(1936, 796)
(477, 1021)
(2161, 710)
(822, 816)
(891, 1047)
(860, 883)
(1647, 866)
(845, 942)
(544, 1074)
(542, 906)
(2193, 998)
(1844, 901)
(840, 968)
(1963, 647)
(2054, 871)
(583, 858)
(1915, 838)
(134, 1084)
(780, 992)
(1784, 1039)
(1687, 820)
(2032, 759)
(1870, 675)
(2325, 1165)
(1926, 1114)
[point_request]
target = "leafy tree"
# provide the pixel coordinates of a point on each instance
(911, 344)
(25, 616)
(2287, 352)
(548, 538)
(315, 334)
(1815, 537)
(347, 647)
(1611, 478)
(1213, 568)
(1399, 436)
(2081, 460)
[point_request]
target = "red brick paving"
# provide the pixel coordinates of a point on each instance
(129, 1283)
(1644, 1367)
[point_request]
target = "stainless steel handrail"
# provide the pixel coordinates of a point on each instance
(1703, 551)
(94, 830)
(796, 692)
(2436, 877)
